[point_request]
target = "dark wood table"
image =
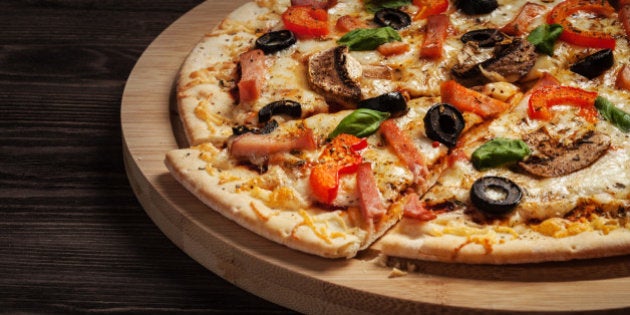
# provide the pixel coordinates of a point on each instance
(73, 237)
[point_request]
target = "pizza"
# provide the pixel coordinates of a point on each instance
(480, 131)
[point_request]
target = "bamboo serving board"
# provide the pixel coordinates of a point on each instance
(307, 283)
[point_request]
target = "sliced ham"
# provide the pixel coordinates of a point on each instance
(252, 65)
(406, 150)
(523, 22)
(371, 205)
(250, 145)
(414, 208)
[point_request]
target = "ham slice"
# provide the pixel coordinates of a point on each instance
(252, 75)
(371, 205)
(250, 145)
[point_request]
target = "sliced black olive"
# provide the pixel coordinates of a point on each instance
(474, 7)
(444, 123)
(495, 195)
(265, 129)
(487, 37)
(392, 17)
(286, 107)
(275, 41)
(593, 65)
(392, 102)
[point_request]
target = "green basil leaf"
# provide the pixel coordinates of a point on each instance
(614, 115)
(361, 123)
(369, 38)
(375, 5)
(499, 151)
(544, 37)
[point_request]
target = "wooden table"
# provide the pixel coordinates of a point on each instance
(73, 237)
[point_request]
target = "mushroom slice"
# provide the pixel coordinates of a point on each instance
(512, 61)
(554, 157)
(334, 73)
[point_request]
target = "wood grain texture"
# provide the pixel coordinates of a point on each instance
(312, 284)
(73, 237)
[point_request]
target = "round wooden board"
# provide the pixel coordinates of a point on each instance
(311, 284)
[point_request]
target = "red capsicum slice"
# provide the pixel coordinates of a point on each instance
(547, 96)
(571, 34)
(306, 21)
(429, 7)
(340, 156)
(436, 32)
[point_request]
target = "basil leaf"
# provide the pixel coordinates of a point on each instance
(614, 115)
(375, 5)
(544, 37)
(499, 151)
(369, 38)
(361, 123)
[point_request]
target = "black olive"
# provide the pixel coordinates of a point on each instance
(392, 102)
(474, 7)
(444, 123)
(507, 195)
(287, 107)
(487, 37)
(265, 129)
(593, 65)
(392, 17)
(275, 41)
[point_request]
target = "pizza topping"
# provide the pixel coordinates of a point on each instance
(375, 5)
(521, 24)
(340, 156)
(369, 38)
(435, 35)
(613, 114)
(405, 149)
(547, 96)
(429, 7)
(495, 195)
(559, 155)
(286, 107)
(258, 147)
(590, 38)
(306, 21)
(468, 100)
(318, 4)
(348, 23)
(392, 102)
(252, 66)
(275, 41)
(487, 37)
(511, 60)
(444, 123)
(474, 7)
(393, 48)
(498, 152)
(624, 17)
(544, 37)
(371, 204)
(623, 78)
(394, 18)
(595, 64)
(414, 208)
(361, 123)
(334, 74)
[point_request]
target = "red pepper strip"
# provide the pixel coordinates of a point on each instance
(522, 22)
(414, 208)
(306, 21)
(623, 78)
(429, 7)
(545, 97)
(340, 156)
(406, 150)
(468, 100)
(589, 38)
(436, 32)
(252, 65)
(371, 205)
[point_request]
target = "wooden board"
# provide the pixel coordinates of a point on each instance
(311, 284)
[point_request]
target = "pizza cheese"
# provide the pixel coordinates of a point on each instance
(476, 131)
